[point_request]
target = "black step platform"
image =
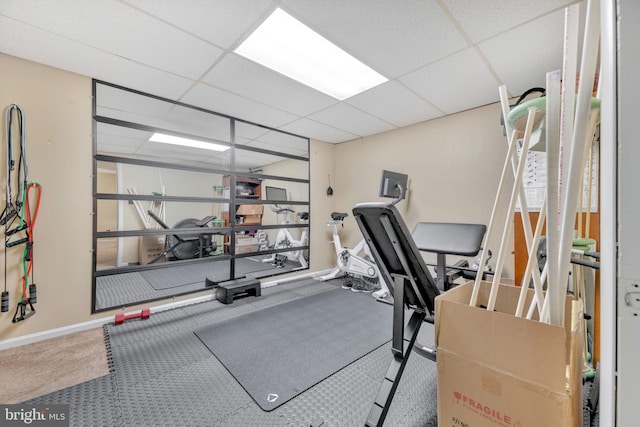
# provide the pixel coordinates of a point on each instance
(236, 288)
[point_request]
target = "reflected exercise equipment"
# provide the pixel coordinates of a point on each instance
(187, 246)
(284, 240)
(354, 262)
(133, 171)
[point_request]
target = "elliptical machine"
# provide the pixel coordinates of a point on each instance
(355, 263)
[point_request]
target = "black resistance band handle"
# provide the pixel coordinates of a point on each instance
(5, 301)
(17, 242)
(16, 230)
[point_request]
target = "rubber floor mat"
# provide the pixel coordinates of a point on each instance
(279, 352)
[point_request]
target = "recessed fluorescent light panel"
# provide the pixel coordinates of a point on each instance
(289, 47)
(186, 142)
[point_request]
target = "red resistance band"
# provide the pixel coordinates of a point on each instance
(30, 222)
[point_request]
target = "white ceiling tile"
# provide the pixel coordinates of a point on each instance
(538, 44)
(483, 19)
(164, 47)
(253, 81)
(136, 76)
(393, 37)
(205, 96)
(351, 120)
(318, 131)
(40, 46)
(116, 28)
(457, 83)
(221, 22)
(400, 106)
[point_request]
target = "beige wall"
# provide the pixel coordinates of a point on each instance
(57, 107)
(453, 164)
(322, 157)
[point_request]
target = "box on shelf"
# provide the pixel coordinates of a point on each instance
(252, 220)
(250, 210)
(495, 369)
(149, 247)
(246, 244)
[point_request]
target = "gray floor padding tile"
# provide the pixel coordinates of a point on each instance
(163, 375)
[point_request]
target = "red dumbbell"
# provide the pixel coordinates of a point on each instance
(121, 317)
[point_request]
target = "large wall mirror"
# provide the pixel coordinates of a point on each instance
(182, 194)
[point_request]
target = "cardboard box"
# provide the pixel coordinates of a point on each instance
(495, 369)
(252, 220)
(149, 247)
(250, 210)
(246, 244)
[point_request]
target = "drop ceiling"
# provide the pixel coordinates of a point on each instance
(440, 56)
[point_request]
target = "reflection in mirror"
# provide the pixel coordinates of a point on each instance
(285, 209)
(123, 105)
(203, 236)
(270, 219)
(125, 288)
(258, 137)
(270, 164)
(290, 243)
(293, 191)
(133, 143)
(135, 179)
(265, 264)
(166, 218)
(162, 247)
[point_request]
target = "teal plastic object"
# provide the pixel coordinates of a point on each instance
(517, 117)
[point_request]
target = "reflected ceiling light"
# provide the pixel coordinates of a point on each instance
(186, 142)
(289, 47)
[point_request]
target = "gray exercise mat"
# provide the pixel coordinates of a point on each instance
(251, 265)
(279, 352)
(256, 268)
(180, 275)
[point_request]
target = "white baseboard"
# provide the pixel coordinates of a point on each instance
(292, 278)
(96, 323)
(53, 333)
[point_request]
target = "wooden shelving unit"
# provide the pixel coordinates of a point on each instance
(246, 188)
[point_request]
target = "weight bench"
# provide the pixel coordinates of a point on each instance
(397, 254)
(235, 288)
(445, 239)
(412, 286)
(449, 239)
